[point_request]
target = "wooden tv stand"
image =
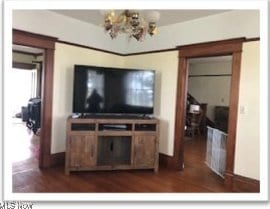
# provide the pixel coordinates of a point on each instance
(111, 144)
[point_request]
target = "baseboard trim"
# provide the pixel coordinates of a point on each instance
(163, 160)
(57, 159)
(228, 180)
(168, 162)
(245, 184)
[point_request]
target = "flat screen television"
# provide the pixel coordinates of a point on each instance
(106, 90)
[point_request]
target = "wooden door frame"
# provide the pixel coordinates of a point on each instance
(48, 45)
(231, 47)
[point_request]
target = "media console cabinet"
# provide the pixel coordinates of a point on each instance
(111, 144)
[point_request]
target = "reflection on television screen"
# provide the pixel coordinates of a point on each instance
(113, 90)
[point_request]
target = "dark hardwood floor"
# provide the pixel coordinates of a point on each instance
(196, 177)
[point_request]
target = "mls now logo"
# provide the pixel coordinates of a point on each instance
(16, 205)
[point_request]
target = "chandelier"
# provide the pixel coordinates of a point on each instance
(131, 23)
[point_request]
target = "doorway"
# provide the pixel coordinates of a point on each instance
(207, 108)
(231, 47)
(26, 76)
(47, 44)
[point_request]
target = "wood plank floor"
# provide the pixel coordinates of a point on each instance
(196, 177)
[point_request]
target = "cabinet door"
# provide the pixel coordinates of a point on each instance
(144, 151)
(82, 150)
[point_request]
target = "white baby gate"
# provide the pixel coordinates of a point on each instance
(216, 150)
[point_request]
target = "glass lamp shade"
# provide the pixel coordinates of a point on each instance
(152, 16)
(194, 108)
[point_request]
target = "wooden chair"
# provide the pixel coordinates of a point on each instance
(195, 123)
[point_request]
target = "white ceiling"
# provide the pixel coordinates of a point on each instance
(167, 17)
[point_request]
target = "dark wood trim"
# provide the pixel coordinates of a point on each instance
(115, 53)
(233, 112)
(88, 47)
(156, 51)
(228, 47)
(34, 40)
(23, 65)
(228, 180)
(216, 48)
(58, 158)
(180, 114)
(169, 162)
(27, 53)
(46, 108)
(151, 52)
(165, 161)
(211, 43)
(40, 37)
(48, 44)
(252, 39)
(244, 184)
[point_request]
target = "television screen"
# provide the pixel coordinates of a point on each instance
(113, 90)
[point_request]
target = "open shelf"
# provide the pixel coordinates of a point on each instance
(83, 126)
(114, 127)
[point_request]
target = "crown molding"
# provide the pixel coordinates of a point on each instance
(241, 39)
(89, 47)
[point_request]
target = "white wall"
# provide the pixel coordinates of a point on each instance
(215, 91)
(66, 57)
(247, 153)
(232, 24)
(166, 65)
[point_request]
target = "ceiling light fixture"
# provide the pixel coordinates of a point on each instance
(131, 23)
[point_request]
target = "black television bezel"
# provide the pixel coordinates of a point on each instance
(113, 113)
